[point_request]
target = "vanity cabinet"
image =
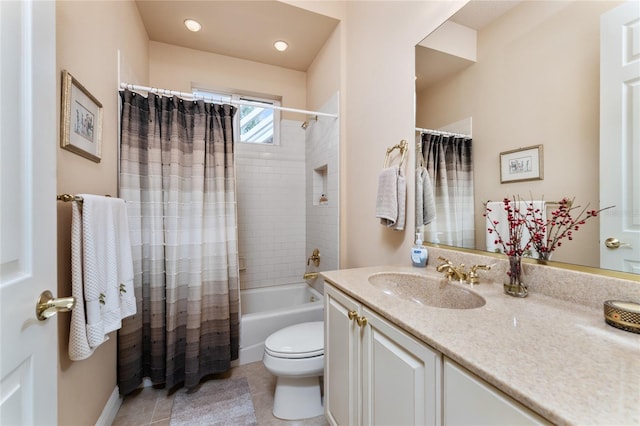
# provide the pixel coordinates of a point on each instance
(376, 373)
(468, 400)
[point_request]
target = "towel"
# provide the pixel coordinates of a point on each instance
(102, 272)
(499, 214)
(425, 201)
(391, 198)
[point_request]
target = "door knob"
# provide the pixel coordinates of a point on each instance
(352, 315)
(614, 243)
(47, 306)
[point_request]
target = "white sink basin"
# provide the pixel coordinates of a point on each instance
(424, 290)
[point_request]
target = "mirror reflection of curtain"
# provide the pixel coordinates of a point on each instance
(449, 162)
(177, 177)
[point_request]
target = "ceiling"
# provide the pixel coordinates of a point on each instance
(247, 29)
(240, 28)
(432, 65)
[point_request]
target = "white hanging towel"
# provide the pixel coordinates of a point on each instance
(499, 214)
(391, 198)
(102, 272)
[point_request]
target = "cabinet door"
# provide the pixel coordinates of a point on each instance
(341, 358)
(401, 377)
(470, 401)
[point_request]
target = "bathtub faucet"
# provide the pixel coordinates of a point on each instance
(310, 276)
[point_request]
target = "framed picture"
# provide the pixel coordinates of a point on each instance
(521, 164)
(81, 119)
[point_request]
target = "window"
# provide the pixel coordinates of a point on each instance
(252, 123)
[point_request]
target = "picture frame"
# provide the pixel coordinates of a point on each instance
(80, 119)
(521, 164)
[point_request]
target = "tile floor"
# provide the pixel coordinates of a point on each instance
(150, 406)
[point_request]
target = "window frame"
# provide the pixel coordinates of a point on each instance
(233, 98)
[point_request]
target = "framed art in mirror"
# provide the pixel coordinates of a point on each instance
(521, 164)
(81, 119)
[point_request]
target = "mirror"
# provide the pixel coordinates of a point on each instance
(532, 80)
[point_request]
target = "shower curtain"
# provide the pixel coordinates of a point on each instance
(177, 177)
(448, 160)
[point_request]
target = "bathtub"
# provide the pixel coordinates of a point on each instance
(268, 309)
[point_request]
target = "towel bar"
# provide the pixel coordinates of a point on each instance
(403, 146)
(68, 197)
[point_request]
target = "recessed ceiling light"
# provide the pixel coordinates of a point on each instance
(281, 45)
(192, 25)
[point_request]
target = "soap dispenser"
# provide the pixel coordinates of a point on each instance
(419, 253)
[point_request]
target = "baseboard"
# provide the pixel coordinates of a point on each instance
(110, 409)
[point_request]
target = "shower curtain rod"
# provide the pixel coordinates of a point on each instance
(186, 95)
(441, 132)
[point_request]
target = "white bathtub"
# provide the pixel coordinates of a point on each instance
(267, 310)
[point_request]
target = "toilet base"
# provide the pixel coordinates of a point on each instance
(297, 398)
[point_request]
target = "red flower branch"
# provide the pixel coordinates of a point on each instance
(542, 235)
(514, 245)
(548, 235)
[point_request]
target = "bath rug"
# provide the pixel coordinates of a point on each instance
(217, 402)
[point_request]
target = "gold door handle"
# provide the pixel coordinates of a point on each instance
(614, 243)
(47, 306)
(362, 321)
(352, 315)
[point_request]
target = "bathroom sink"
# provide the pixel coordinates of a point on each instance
(425, 290)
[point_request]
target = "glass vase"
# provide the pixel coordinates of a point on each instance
(515, 285)
(544, 257)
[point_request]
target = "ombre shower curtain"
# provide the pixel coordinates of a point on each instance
(449, 162)
(177, 177)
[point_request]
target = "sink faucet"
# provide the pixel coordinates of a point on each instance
(459, 273)
(451, 271)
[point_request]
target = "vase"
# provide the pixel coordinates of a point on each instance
(515, 286)
(544, 257)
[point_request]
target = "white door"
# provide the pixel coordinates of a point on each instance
(28, 347)
(620, 138)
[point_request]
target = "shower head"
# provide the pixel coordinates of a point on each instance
(306, 122)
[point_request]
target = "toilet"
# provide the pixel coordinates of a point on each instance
(295, 355)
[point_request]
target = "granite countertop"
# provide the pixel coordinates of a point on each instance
(558, 358)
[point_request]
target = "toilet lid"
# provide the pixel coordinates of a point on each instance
(297, 341)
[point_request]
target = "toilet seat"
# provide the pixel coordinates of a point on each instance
(304, 340)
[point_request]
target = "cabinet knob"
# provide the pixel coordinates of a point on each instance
(352, 315)
(362, 321)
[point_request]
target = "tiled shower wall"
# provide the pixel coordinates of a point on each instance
(322, 227)
(270, 186)
(280, 217)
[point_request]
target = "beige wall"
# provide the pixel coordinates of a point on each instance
(178, 68)
(379, 112)
(536, 82)
(88, 37)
